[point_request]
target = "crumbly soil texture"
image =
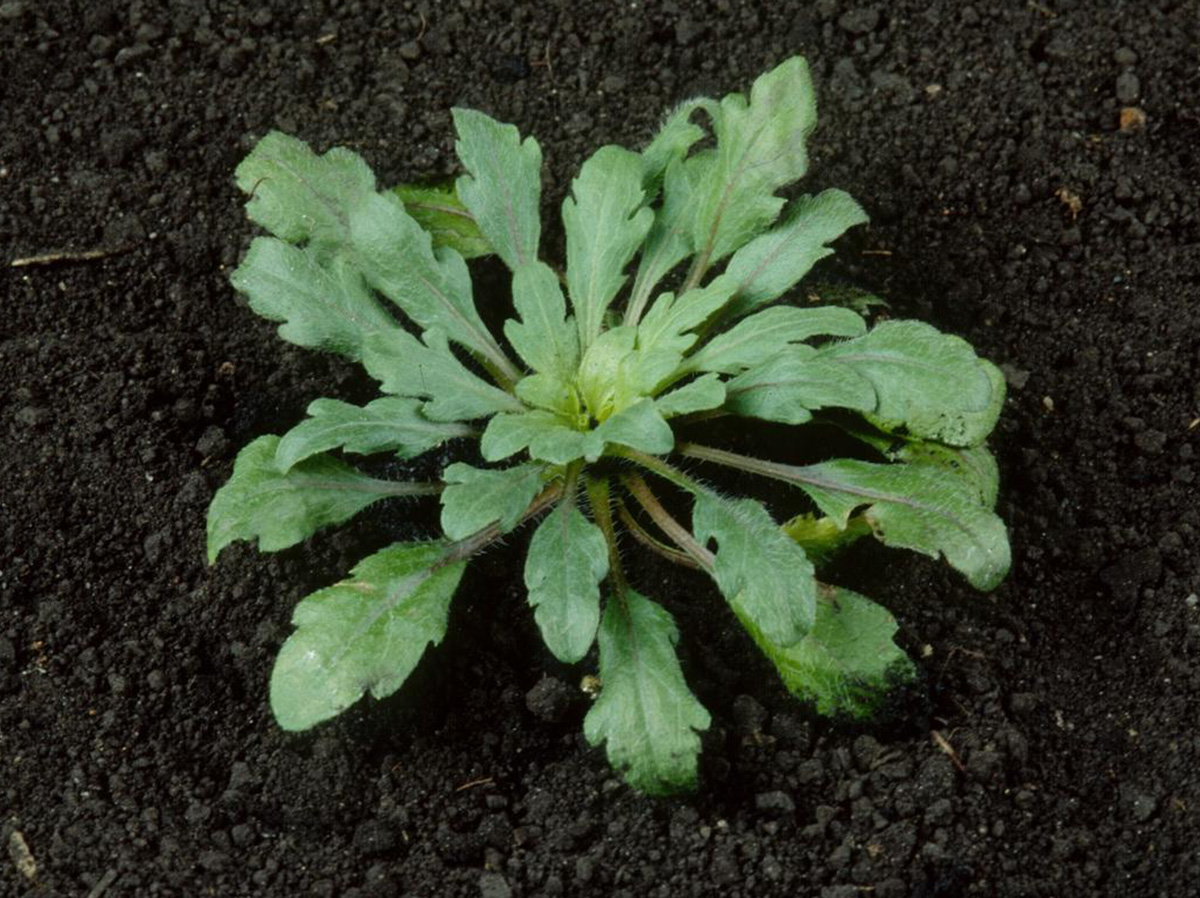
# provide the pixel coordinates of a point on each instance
(1031, 170)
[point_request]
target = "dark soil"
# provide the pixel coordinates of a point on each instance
(1051, 748)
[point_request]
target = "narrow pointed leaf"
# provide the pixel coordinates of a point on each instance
(698, 395)
(848, 662)
(389, 424)
(299, 196)
(364, 634)
(475, 498)
(646, 715)
(439, 211)
(544, 337)
(405, 366)
(543, 433)
(765, 333)
(669, 240)
(931, 384)
(325, 307)
(568, 557)
(605, 224)
(279, 510)
(912, 507)
(788, 386)
(772, 263)
(763, 573)
(503, 185)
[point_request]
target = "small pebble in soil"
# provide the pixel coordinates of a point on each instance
(551, 699)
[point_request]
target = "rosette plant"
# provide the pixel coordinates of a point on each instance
(672, 310)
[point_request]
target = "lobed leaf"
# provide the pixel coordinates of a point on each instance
(503, 185)
(641, 426)
(322, 306)
(848, 662)
(385, 425)
(544, 337)
(765, 575)
(789, 385)
(646, 715)
(764, 334)
(568, 557)
(547, 437)
(364, 634)
(475, 498)
(259, 501)
(698, 395)
(672, 142)
(406, 366)
(931, 384)
(439, 211)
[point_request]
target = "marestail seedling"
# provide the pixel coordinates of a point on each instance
(672, 311)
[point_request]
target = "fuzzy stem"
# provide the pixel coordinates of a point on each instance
(600, 499)
(476, 542)
(642, 535)
(679, 534)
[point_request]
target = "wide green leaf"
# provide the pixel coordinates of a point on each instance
(605, 224)
(544, 337)
(475, 498)
(789, 385)
(760, 148)
(763, 573)
(914, 507)
(765, 333)
(389, 424)
(641, 426)
(647, 717)
(931, 384)
(299, 196)
(406, 366)
(503, 185)
(439, 211)
(848, 662)
(568, 557)
(363, 634)
(772, 263)
(545, 434)
(322, 306)
(279, 509)
(433, 289)
(697, 395)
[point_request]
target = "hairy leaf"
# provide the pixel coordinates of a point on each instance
(772, 263)
(475, 498)
(821, 537)
(299, 196)
(551, 392)
(668, 241)
(698, 395)
(672, 142)
(543, 433)
(321, 306)
(847, 664)
(279, 510)
(544, 337)
(763, 573)
(640, 426)
(788, 386)
(503, 186)
(405, 366)
(385, 425)
(568, 557)
(605, 223)
(646, 715)
(931, 384)
(364, 634)
(439, 211)
(765, 333)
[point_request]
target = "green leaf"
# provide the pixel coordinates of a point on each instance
(645, 714)
(434, 289)
(544, 433)
(789, 385)
(912, 507)
(364, 634)
(544, 337)
(321, 307)
(550, 392)
(931, 384)
(759, 337)
(568, 557)
(640, 426)
(821, 537)
(698, 395)
(405, 366)
(760, 148)
(475, 498)
(597, 378)
(280, 510)
(672, 142)
(605, 224)
(772, 263)
(668, 242)
(763, 573)
(299, 196)
(503, 186)
(439, 211)
(848, 662)
(385, 425)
